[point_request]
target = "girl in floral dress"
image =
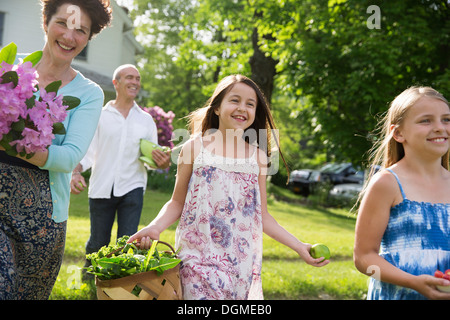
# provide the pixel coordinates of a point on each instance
(220, 197)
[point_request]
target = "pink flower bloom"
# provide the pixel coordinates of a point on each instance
(5, 126)
(5, 67)
(30, 143)
(11, 109)
(47, 96)
(163, 121)
(57, 109)
(39, 119)
(27, 80)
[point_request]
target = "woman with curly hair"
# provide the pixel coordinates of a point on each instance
(34, 192)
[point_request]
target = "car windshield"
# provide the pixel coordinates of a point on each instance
(301, 174)
(333, 167)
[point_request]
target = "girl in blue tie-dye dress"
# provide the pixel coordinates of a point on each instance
(403, 226)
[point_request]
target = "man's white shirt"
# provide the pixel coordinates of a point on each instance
(115, 150)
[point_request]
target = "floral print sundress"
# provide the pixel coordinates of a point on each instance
(220, 230)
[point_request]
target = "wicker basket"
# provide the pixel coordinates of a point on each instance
(152, 286)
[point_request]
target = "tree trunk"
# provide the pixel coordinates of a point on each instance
(263, 68)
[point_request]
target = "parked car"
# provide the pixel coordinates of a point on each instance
(307, 181)
(338, 173)
(345, 193)
(348, 192)
(357, 177)
(304, 181)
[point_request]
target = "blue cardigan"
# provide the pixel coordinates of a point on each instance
(67, 150)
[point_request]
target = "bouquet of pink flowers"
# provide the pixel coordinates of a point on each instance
(28, 123)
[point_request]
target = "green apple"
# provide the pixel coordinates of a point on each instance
(320, 250)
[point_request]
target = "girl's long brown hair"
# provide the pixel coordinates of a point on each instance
(205, 118)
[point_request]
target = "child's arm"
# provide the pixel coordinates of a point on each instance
(373, 217)
(274, 230)
(171, 211)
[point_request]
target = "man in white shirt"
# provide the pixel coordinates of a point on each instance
(118, 178)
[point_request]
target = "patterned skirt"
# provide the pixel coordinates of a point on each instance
(31, 242)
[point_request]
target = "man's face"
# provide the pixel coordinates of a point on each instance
(129, 83)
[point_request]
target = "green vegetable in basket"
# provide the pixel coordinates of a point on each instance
(122, 259)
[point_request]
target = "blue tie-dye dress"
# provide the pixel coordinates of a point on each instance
(416, 240)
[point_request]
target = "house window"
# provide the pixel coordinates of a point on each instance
(83, 54)
(2, 22)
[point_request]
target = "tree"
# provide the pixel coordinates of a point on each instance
(323, 68)
(351, 72)
(167, 82)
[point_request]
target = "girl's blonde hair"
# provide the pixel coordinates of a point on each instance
(386, 151)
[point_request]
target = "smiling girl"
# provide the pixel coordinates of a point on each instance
(220, 197)
(403, 226)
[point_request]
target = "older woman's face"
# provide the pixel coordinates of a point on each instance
(67, 32)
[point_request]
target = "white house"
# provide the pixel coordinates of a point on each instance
(21, 23)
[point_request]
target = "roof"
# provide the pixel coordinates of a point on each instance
(102, 80)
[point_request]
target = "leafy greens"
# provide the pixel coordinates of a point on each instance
(124, 259)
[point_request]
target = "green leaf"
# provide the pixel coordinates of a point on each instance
(150, 253)
(112, 265)
(8, 53)
(166, 264)
(11, 152)
(71, 102)
(30, 102)
(18, 126)
(10, 137)
(58, 128)
(10, 76)
(34, 57)
(53, 87)
(6, 139)
(5, 144)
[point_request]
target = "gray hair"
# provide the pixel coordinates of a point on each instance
(116, 74)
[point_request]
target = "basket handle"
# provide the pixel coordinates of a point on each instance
(121, 248)
(167, 244)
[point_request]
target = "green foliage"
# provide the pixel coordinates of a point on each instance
(8, 53)
(124, 259)
(350, 72)
(162, 180)
(335, 76)
(168, 84)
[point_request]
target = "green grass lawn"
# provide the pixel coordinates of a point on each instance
(284, 275)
